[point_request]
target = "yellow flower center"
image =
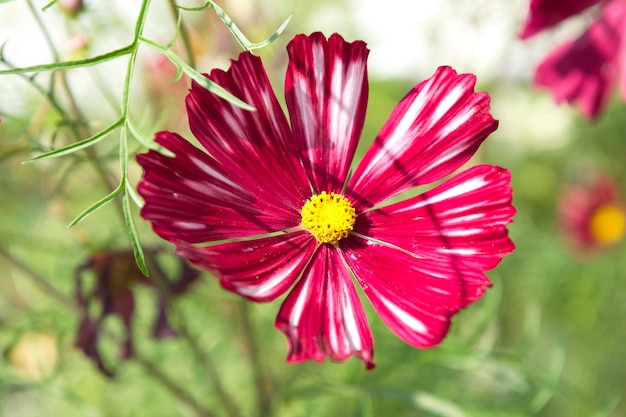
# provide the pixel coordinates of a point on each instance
(329, 217)
(608, 224)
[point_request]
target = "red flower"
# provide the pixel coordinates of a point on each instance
(282, 197)
(585, 70)
(592, 215)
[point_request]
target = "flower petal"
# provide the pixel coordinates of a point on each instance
(192, 198)
(414, 297)
(544, 14)
(323, 316)
(434, 130)
(326, 92)
(255, 147)
(462, 219)
(583, 70)
(260, 269)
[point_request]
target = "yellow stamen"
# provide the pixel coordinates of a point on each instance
(608, 224)
(329, 217)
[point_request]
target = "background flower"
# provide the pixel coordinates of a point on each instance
(583, 71)
(592, 214)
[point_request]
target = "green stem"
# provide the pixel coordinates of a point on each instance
(41, 283)
(264, 384)
(172, 386)
(158, 277)
(184, 34)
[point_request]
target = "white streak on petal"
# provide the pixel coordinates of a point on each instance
(298, 306)
(448, 101)
(354, 337)
(410, 321)
(268, 286)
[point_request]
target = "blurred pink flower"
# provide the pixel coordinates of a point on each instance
(592, 215)
(273, 206)
(585, 70)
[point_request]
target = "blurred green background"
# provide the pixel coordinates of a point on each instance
(546, 340)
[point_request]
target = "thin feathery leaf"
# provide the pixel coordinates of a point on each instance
(196, 76)
(272, 38)
(85, 143)
(49, 5)
(141, 137)
(109, 56)
(134, 195)
(239, 36)
(98, 204)
(132, 234)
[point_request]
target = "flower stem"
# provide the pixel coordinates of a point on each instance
(41, 283)
(172, 386)
(181, 327)
(264, 384)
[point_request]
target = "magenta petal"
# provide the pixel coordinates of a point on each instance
(544, 14)
(192, 199)
(583, 71)
(414, 297)
(255, 147)
(323, 316)
(462, 219)
(326, 93)
(260, 269)
(435, 129)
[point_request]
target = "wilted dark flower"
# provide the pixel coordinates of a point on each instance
(116, 275)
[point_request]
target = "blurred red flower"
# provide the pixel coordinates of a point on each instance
(592, 215)
(583, 71)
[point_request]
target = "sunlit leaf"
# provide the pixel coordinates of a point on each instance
(436, 405)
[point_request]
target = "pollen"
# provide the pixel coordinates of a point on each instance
(608, 224)
(329, 217)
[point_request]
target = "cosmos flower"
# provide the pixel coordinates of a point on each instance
(269, 206)
(592, 214)
(585, 70)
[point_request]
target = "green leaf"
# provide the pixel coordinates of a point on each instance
(72, 64)
(132, 234)
(6, 1)
(85, 143)
(196, 76)
(100, 203)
